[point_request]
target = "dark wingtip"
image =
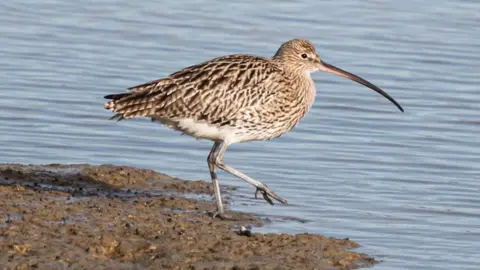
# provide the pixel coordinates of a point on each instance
(118, 117)
(116, 96)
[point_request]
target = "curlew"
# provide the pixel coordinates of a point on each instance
(232, 99)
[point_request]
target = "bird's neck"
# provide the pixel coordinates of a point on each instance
(301, 96)
(304, 88)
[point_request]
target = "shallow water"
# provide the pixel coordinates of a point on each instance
(405, 186)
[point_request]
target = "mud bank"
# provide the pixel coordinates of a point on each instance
(116, 217)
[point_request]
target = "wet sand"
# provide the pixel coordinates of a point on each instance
(117, 217)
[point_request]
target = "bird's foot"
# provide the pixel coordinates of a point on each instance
(267, 193)
(221, 215)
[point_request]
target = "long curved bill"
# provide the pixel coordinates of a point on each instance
(335, 70)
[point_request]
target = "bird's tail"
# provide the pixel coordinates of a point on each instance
(127, 105)
(139, 100)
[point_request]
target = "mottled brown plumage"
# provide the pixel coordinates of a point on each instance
(232, 99)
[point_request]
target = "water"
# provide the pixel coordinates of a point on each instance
(403, 185)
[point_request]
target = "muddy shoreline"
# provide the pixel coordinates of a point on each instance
(116, 217)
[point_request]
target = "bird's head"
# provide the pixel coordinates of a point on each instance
(300, 55)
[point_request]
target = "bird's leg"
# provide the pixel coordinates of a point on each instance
(216, 187)
(266, 192)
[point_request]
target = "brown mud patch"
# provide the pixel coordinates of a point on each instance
(116, 217)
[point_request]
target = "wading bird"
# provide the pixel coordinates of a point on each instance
(232, 99)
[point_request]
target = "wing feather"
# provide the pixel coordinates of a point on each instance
(215, 91)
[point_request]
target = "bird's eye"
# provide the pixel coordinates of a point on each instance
(304, 56)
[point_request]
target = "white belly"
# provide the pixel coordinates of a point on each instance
(202, 130)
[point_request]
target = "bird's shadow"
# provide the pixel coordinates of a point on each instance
(83, 180)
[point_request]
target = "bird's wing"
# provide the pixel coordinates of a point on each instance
(212, 91)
